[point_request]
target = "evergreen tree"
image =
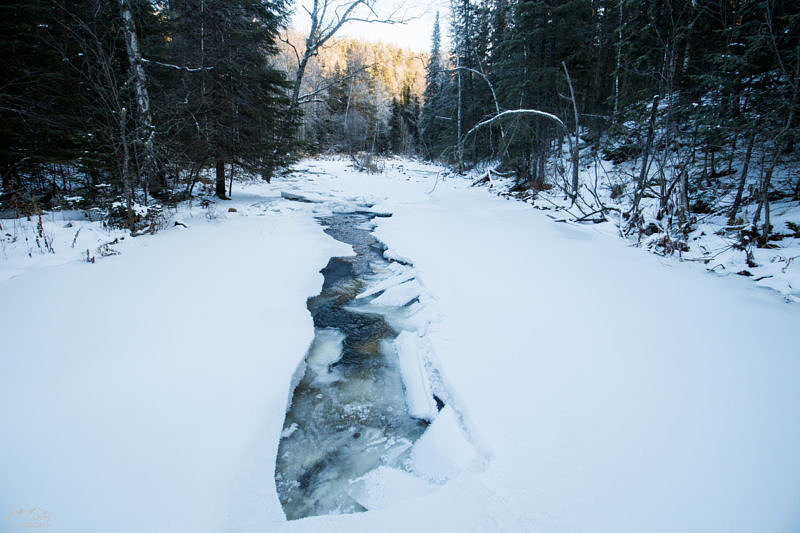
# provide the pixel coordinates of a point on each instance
(235, 98)
(396, 127)
(436, 128)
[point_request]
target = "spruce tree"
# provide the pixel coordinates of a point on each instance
(436, 129)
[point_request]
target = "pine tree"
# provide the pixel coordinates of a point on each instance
(235, 98)
(435, 125)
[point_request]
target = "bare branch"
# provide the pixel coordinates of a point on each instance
(485, 78)
(293, 47)
(304, 98)
(176, 67)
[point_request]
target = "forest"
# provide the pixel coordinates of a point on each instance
(121, 102)
(697, 97)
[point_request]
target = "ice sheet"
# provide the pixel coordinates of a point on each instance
(416, 383)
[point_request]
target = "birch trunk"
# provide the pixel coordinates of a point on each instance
(142, 97)
(574, 147)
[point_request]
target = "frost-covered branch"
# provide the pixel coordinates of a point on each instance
(510, 112)
(175, 67)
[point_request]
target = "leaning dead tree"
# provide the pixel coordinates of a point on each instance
(573, 146)
(488, 83)
(533, 112)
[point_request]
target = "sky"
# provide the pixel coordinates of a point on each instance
(414, 35)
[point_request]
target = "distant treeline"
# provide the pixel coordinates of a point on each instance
(364, 96)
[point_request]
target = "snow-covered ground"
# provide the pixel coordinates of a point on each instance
(712, 243)
(597, 387)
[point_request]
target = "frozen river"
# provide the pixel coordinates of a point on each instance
(348, 413)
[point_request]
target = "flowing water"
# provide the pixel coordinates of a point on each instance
(348, 413)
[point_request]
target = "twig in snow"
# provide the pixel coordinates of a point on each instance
(435, 183)
(586, 217)
(75, 239)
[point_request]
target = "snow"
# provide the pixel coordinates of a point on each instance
(416, 384)
(615, 390)
(713, 244)
(146, 392)
(384, 485)
(590, 386)
(65, 236)
(443, 452)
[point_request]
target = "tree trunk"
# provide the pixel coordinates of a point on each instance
(220, 189)
(575, 150)
(126, 177)
(298, 77)
(743, 177)
(142, 97)
(766, 229)
(460, 146)
(619, 64)
(651, 128)
(7, 178)
(683, 199)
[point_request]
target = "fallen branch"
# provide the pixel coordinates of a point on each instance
(586, 217)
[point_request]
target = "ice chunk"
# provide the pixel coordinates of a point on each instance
(384, 486)
(325, 350)
(309, 199)
(443, 450)
(399, 295)
(397, 268)
(286, 433)
(391, 282)
(394, 256)
(419, 397)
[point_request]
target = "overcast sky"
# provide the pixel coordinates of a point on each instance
(415, 35)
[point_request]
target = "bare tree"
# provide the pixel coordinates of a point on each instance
(327, 17)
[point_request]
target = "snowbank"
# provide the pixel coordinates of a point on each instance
(615, 394)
